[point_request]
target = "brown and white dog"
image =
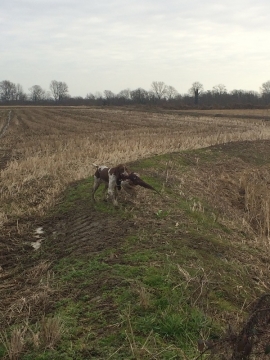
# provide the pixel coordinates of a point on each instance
(111, 178)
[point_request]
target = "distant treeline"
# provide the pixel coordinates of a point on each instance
(159, 94)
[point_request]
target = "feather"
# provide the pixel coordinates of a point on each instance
(135, 180)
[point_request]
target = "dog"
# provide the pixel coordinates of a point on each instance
(111, 178)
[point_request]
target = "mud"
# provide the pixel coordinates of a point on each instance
(82, 231)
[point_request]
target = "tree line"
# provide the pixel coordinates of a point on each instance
(10, 91)
(159, 94)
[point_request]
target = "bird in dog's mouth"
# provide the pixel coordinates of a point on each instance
(133, 180)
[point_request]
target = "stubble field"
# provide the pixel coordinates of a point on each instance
(51, 147)
(117, 279)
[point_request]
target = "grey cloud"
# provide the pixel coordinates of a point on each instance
(170, 40)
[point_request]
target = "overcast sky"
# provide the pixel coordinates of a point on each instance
(117, 44)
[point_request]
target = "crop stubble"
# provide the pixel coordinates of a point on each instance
(49, 147)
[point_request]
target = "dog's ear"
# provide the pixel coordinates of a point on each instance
(118, 171)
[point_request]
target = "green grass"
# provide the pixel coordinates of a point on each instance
(79, 191)
(2, 351)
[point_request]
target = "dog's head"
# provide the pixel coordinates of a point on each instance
(121, 171)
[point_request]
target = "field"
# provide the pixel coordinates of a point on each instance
(149, 279)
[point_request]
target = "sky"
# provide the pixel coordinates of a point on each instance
(97, 45)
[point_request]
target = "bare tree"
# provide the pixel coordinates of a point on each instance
(98, 95)
(48, 96)
(54, 89)
(124, 94)
(218, 95)
(171, 92)
(139, 96)
(7, 90)
(108, 94)
(195, 90)
(90, 96)
(109, 97)
(159, 89)
(219, 89)
(265, 88)
(20, 94)
(59, 90)
(37, 93)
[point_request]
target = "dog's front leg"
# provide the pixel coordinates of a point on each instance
(105, 194)
(112, 189)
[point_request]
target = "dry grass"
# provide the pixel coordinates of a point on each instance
(241, 195)
(57, 146)
(237, 191)
(47, 337)
(15, 344)
(30, 298)
(51, 331)
(255, 189)
(144, 297)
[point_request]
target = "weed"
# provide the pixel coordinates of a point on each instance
(51, 331)
(14, 345)
(144, 297)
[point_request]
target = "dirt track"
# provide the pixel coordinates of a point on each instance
(84, 232)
